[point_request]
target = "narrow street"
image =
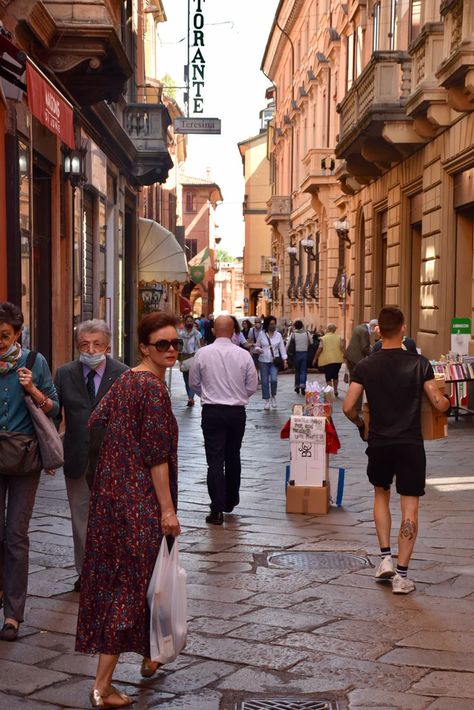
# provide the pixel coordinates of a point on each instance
(258, 632)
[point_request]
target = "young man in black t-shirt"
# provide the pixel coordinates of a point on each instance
(394, 381)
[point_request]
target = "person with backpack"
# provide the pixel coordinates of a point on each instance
(297, 349)
(254, 332)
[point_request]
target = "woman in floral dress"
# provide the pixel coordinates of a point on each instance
(133, 504)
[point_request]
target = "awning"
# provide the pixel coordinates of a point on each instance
(48, 105)
(160, 258)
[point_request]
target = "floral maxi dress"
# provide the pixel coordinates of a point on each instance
(124, 533)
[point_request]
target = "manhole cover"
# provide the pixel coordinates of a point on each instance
(288, 704)
(317, 560)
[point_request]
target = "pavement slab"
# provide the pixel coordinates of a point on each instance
(256, 631)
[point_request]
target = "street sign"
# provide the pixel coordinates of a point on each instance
(184, 124)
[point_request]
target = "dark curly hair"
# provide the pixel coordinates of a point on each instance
(12, 315)
(266, 322)
(154, 321)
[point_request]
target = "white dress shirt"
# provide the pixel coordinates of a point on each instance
(223, 373)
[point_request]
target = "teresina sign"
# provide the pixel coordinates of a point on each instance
(197, 66)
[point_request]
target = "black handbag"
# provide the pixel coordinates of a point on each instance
(277, 360)
(19, 454)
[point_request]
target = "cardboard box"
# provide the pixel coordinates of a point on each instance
(308, 500)
(309, 463)
(434, 424)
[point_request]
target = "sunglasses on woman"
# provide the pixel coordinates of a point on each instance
(163, 345)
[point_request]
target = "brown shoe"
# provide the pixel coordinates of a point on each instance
(9, 632)
(149, 667)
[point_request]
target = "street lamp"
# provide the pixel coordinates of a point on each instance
(342, 227)
(308, 246)
(74, 165)
(151, 294)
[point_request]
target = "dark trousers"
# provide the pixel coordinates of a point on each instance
(17, 497)
(223, 428)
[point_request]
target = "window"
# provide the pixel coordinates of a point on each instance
(350, 61)
(190, 202)
(191, 248)
(354, 55)
(415, 19)
(393, 34)
(376, 31)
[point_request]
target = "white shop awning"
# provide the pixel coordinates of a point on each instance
(160, 257)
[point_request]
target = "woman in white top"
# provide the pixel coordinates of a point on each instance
(270, 344)
(192, 342)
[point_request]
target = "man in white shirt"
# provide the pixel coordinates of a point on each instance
(224, 376)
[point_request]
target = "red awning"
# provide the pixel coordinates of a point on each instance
(49, 106)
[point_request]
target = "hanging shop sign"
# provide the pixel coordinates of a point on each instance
(183, 124)
(460, 335)
(49, 106)
(197, 66)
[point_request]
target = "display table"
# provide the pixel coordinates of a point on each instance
(457, 410)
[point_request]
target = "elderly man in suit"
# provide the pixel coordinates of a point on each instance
(81, 384)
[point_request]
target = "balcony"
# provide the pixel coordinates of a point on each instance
(278, 210)
(456, 72)
(81, 44)
(427, 103)
(315, 174)
(375, 131)
(146, 126)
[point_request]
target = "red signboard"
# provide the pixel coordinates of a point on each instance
(48, 106)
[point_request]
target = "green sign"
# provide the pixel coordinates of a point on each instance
(460, 326)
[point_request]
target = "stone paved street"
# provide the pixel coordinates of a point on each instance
(260, 632)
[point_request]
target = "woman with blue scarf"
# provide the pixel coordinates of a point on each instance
(20, 463)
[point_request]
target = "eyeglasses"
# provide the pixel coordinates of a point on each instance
(164, 345)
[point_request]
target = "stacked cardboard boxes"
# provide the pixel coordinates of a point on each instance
(308, 490)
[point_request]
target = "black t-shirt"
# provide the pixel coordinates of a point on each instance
(393, 381)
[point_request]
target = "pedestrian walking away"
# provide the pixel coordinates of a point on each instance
(272, 356)
(329, 356)
(133, 504)
(298, 345)
(80, 385)
(224, 376)
(20, 462)
(395, 445)
(192, 342)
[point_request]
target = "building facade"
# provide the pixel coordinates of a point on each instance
(229, 288)
(200, 199)
(81, 139)
(406, 142)
(302, 59)
(258, 263)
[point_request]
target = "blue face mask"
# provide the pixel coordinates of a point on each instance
(92, 361)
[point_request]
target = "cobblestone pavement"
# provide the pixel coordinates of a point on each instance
(267, 633)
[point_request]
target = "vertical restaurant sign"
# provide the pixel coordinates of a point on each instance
(49, 106)
(198, 62)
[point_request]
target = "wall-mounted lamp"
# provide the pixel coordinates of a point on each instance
(151, 294)
(342, 227)
(292, 251)
(74, 165)
(308, 246)
(23, 161)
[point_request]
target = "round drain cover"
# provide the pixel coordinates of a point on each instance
(317, 560)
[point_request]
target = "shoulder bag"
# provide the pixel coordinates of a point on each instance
(49, 441)
(277, 360)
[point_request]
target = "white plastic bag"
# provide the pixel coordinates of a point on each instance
(166, 598)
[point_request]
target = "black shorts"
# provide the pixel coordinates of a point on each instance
(331, 371)
(407, 462)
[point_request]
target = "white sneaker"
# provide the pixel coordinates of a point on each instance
(267, 404)
(385, 570)
(273, 402)
(402, 585)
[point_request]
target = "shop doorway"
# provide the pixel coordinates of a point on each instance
(42, 288)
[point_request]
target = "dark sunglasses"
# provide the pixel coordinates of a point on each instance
(164, 345)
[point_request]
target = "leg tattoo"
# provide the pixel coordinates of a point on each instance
(408, 529)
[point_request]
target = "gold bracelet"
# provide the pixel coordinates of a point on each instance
(42, 404)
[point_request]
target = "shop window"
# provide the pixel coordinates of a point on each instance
(121, 289)
(393, 33)
(25, 239)
(101, 264)
(376, 27)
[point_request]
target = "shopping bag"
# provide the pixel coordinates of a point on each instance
(336, 486)
(166, 598)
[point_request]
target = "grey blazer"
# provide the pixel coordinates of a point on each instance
(76, 408)
(359, 344)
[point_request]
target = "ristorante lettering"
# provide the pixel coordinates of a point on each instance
(198, 62)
